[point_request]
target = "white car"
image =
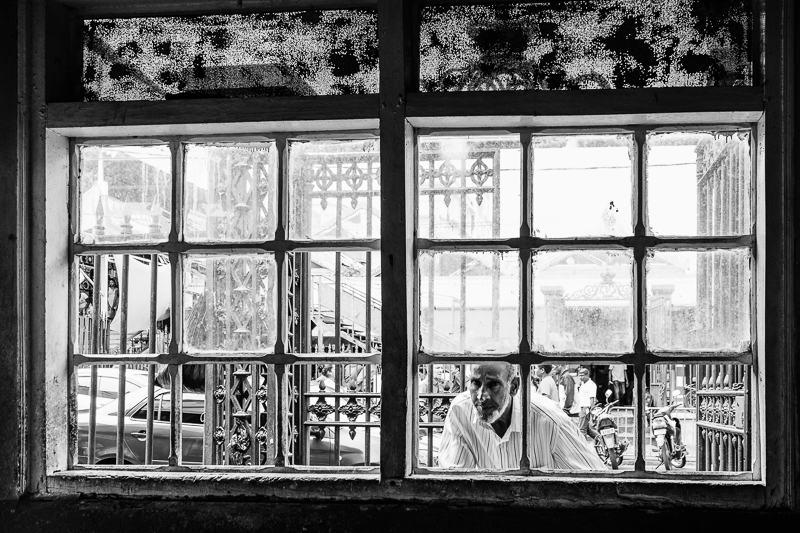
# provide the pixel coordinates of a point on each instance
(107, 385)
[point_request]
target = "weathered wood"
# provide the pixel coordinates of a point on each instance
(195, 117)
(779, 340)
(64, 54)
(594, 107)
(398, 263)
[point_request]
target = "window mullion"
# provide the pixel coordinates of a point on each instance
(639, 251)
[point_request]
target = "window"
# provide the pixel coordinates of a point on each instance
(436, 229)
(623, 263)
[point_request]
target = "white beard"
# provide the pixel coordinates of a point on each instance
(494, 417)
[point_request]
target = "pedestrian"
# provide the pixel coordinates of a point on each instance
(587, 395)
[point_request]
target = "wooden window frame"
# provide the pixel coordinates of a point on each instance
(397, 111)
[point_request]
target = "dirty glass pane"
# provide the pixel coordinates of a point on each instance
(340, 414)
(230, 192)
(699, 183)
(709, 405)
(698, 300)
(346, 282)
(582, 185)
(99, 279)
(599, 44)
(469, 302)
(270, 54)
(334, 189)
(125, 194)
(583, 301)
(229, 303)
(469, 187)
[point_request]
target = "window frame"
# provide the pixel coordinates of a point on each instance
(400, 108)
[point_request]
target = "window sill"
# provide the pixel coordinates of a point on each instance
(531, 492)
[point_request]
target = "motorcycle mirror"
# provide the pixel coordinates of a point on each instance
(608, 394)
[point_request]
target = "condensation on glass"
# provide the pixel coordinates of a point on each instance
(582, 185)
(601, 44)
(710, 406)
(698, 300)
(583, 301)
(229, 302)
(699, 183)
(230, 192)
(124, 194)
(469, 302)
(469, 187)
(334, 189)
(270, 54)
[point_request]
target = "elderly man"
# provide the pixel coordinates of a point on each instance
(483, 428)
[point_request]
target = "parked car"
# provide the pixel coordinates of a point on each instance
(107, 385)
(322, 451)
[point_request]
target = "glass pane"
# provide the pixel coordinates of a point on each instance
(585, 45)
(469, 187)
(335, 189)
(698, 300)
(698, 418)
(340, 412)
(478, 425)
(230, 192)
(99, 280)
(698, 183)
(347, 283)
(107, 385)
(582, 186)
(469, 302)
(125, 194)
(230, 303)
(266, 54)
(583, 301)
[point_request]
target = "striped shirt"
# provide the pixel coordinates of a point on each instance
(555, 441)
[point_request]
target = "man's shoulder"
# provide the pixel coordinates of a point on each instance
(461, 403)
(545, 409)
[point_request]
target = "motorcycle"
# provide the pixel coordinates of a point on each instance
(609, 447)
(667, 431)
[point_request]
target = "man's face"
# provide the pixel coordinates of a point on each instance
(491, 390)
(583, 375)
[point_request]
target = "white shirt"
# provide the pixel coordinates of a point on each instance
(586, 392)
(548, 388)
(618, 373)
(554, 440)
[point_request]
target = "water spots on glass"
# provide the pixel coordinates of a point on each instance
(292, 54)
(599, 44)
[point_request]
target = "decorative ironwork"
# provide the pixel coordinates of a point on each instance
(219, 394)
(352, 409)
(321, 409)
(442, 409)
(375, 410)
(219, 436)
(262, 395)
(605, 290)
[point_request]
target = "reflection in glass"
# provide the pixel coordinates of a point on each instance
(469, 302)
(230, 192)
(469, 187)
(698, 300)
(698, 418)
(698, 183)
(582, 186)
(229, 303)
(335, 189)
(583, 301)
(125, 194)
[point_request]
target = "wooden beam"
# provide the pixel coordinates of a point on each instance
(96, 9)
(586, 107)
(398, 264)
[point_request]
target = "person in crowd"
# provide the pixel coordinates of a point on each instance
(587, 395)
(619, 381)
(571, 405)
(483, 428)
(547, 385)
